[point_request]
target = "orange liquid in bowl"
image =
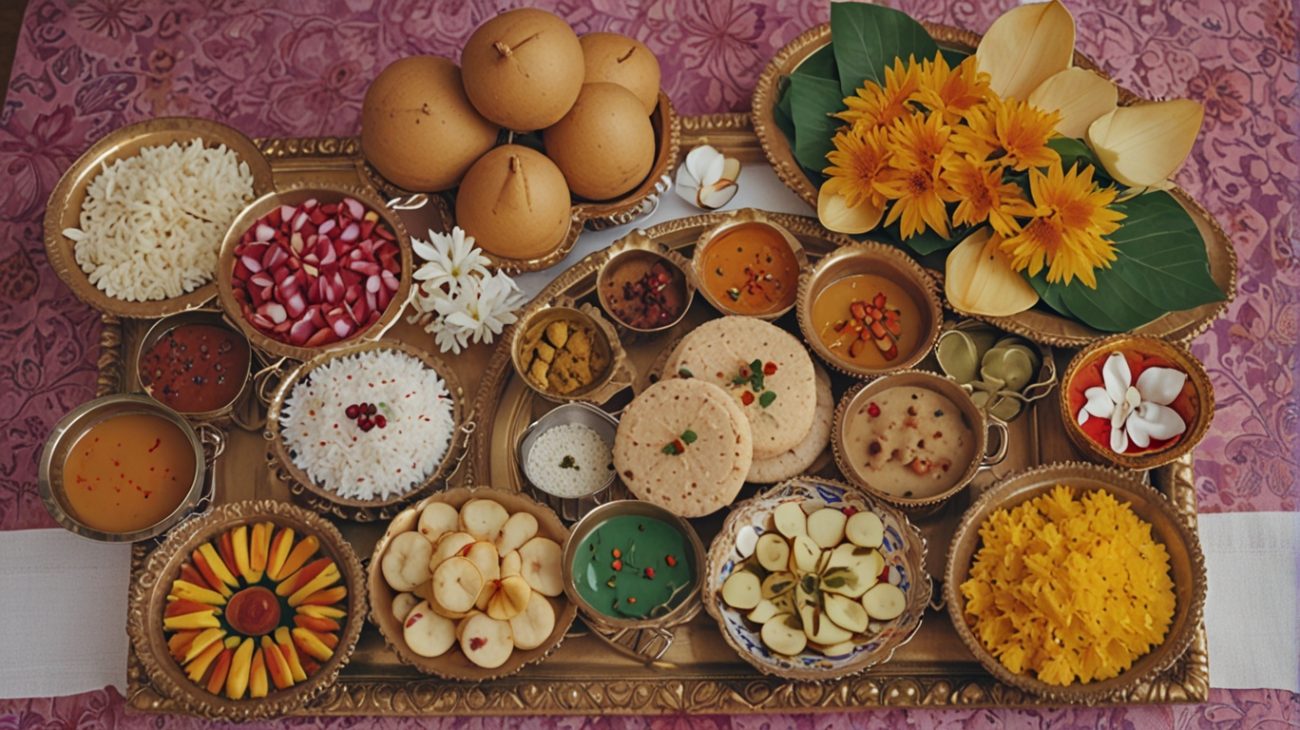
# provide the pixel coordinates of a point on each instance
(128, 472)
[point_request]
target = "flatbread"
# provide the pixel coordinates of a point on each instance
(710, 471)
(796, 461)
(716, 351)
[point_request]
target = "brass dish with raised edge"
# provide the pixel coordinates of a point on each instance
(1181, 359)
(234, 411)
(618, 374)
(1036, 324)
(454, 664)
(64, 208)
(597, 215)
(882, 260)
(730, 221)
(322, 499)
(634, 246)
(325, 192)
(151, 584)
(1040, 388)
(1187, 567)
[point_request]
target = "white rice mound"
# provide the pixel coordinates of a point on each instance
(152, 224)
(592, 461)
(383, 462)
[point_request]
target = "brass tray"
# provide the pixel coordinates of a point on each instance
(584, 676)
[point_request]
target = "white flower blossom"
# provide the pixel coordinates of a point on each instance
(451, 259)
(1138, 412)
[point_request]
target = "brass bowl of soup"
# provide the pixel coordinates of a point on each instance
(867, 309)
(749, 265)
(914, 439)
(121, 468)
(196, 364)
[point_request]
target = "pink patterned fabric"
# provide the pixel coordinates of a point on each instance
(84, 68)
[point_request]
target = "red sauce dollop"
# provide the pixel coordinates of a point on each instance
(253, 611)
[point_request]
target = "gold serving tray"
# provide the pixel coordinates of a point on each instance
(585, 676)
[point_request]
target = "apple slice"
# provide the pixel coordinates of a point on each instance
(511, 564)
(483, 518)
(519, 529)
(819, 628)
(843, 648)
(534, 625)
(790, 520)
(865, 529)
(406, 561)
(402, 605)
(845, 612)
(437, 519)
(765, 610)
(426, 633)
(804, 555)
(456, 584)
(863, 563)
(484, 557)
(509, 598)
(778, 584)
(540, 565)
(782, 634)
(450, 545)
(826, 527)
(460, 625)
(486, 641)
(773, 551)
(841, 580)
(742, 590)
(884, 602)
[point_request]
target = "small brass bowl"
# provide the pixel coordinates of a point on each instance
(210, 318)
(64, 208)
(1040, 388)
(904, 550)
(745, 218)
(294, 195)
(884, 261)
(298, 478)
(76, 423)
(149, 599)
(1197, 380)
(577, 412)
(975, 420)
(612, 628)
(636, 249)
(454, 664)
(1187, 568)
(618, 373)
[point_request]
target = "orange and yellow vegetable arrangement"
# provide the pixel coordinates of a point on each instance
(253, 609)
(1069, 588)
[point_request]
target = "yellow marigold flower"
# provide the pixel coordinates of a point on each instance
(876, 106)
(977, 137)
(1066, 234)
(918, 194)
(983, 196)
(919, 140)
(1022, 132)
(952, 92)
(857, 161)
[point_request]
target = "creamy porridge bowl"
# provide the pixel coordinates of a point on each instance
(914, 438)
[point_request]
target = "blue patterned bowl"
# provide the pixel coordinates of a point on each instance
(903, 550)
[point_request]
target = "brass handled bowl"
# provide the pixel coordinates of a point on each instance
(231, 411)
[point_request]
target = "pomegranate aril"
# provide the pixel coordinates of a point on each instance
(277, 257)
(300, 220)
(286, 212)
(322, 336)
(352, 293)
(317, 216)
(373, 284)
(383, 232)
(260, 321)
(283, 327)
(343, 328)
(382, 298)
(263, 232)
(260, 279)
(311, 258)
(330, 257)
(251, 263)
(351, 233)
(366, 424)
(372, 301)
(368, 268)
(366, 228)
(310, 203)
(273, 310)
(355, 208)
(353, 411)
(390, 281)
(381, 421)
(296, 305)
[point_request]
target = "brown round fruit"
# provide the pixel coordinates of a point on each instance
(605, 145)
(514, 202)
(618, 59)
(523, 69)
(418, 128)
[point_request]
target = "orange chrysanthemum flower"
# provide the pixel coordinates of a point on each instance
(919, 140)
(983, 196)
(857, 162)
(977, 136)
(876, 106)
(952, 92)
(1022, 132)
(918, 195)
(1066, 233)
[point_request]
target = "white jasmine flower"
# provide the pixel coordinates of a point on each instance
(1138, 412)
(451, 259)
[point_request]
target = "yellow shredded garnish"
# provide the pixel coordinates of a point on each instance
(1068, 588)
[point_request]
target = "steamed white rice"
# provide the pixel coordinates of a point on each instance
(152, 223)
(383, 462)
(569, 460)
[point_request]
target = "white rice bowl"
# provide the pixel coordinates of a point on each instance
(152, 224)
(381, 463)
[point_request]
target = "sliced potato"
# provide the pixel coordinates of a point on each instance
(742, 590)
(437, 519)
(847, 613)
(782, 634)
(484, 557)
(776, 584)
(863, 563)
(804, 554)
(865, 529)
(406, 561)
(884, 602)
(790, 520)
(840, 580)
(483, 518)
(519, 529)
(835, 650)
(773, 551)
(826, 527)
(819, 628)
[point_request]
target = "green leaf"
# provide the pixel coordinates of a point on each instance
(1074, 150)
(782, 113)
(953, 56)
(867, 39)
(766, 398)
(929, 242)
(812, 102)
(689, 436)
(820, 64)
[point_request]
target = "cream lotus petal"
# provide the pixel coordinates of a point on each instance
(1142, 145)
(978, 279)
(705, 163)
(1099, 403)
(1153, 421)
(716, 195)
(836, 216)
(1025, 46)
(1161, 385)
(1118, 440)
(1117, 377)
(1080, 95)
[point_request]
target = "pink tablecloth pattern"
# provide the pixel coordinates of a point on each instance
(86, 67)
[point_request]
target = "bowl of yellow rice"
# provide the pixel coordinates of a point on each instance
(1074, 582)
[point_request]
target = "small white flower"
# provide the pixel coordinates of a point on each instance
(451, 260)
(449, 338)
(1138, 412)
(707, 179)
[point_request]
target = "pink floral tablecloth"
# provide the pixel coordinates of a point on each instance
(85, 67)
